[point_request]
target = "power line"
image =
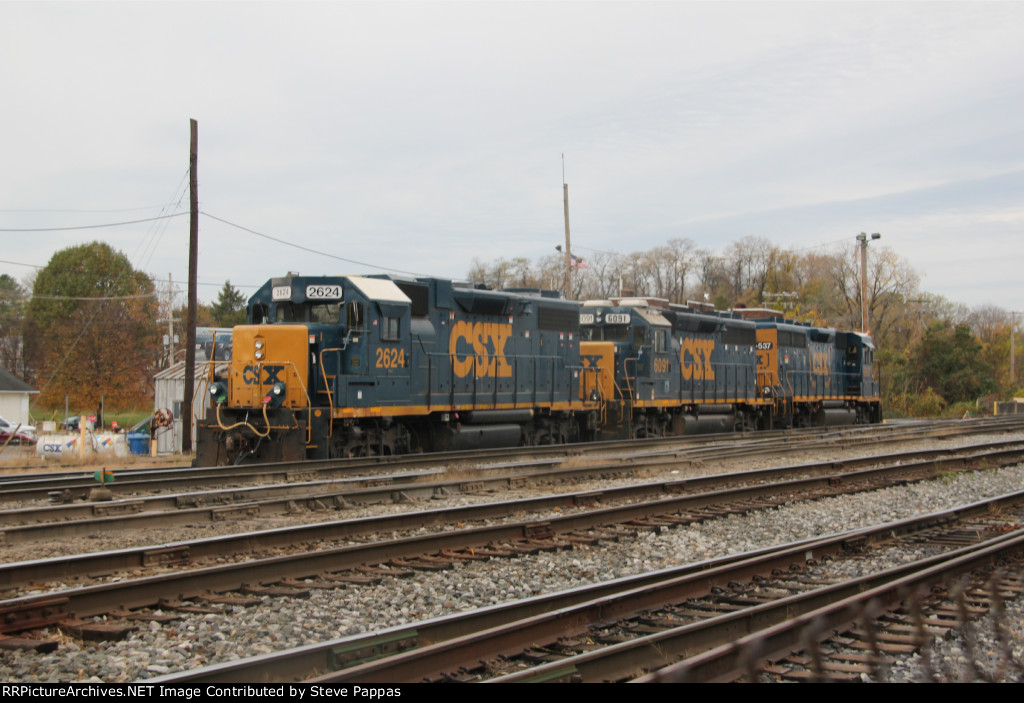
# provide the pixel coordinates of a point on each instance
(99, 297)
(108, 224)
(157, 230)
(18, 263)
(311, 251)
(152, 278)
(52, 210)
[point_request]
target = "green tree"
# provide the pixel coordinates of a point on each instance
(91, 329)
(12, 317)
(948, 360)
(229, 308)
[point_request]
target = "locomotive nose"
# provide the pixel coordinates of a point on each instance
(270, 366)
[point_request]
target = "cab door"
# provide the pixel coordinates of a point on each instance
(389, 350)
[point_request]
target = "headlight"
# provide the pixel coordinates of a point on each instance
(275, 396)
(218, 392)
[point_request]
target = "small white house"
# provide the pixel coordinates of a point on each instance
(14, 397)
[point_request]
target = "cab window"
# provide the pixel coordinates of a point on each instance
(660, 343)
(389, 329)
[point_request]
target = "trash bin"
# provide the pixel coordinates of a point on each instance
(138, 442)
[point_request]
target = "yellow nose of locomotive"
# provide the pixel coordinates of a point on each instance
(270, 364)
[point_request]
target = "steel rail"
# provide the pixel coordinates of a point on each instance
(53, 522)
(197, 582)
(729, 661)
(679, 499)
(776, 622)
(558, 611)
(41, 486)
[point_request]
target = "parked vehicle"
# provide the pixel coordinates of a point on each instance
(15, 438)
(25, 429)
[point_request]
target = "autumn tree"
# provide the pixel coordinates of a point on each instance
(91, 329)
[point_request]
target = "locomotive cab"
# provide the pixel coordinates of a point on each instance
(309, 346)
(855, 353)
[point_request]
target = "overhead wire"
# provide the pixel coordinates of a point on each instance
(158, 228)
(155, 233)
(78, 227)
(51, 210)
(94, 297)
(308, 249)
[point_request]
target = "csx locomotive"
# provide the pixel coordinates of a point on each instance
(371, 365)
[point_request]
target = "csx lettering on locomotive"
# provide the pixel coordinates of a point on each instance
(821, 363)
(695, 357)
(486, 349)
(251, 375)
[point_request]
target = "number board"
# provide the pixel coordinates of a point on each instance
(323, 292)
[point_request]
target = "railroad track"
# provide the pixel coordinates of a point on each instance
(852, 639)
(331, 567)
(472, 527)
(410, 488)
(617, 630)
(77, 485)
(579, 519)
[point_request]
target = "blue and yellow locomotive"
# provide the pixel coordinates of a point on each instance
(815, 376)
(688, 369)
(360, 365)
(339, 366)
(677, 370)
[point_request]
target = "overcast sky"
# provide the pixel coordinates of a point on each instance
(416, 137)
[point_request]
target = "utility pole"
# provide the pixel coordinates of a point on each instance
(863, 239)
(568, 255)
(1013, 351)
(193, 268)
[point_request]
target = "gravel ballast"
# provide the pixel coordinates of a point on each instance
(198, 640)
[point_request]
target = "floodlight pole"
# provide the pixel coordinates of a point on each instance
(568, 254)
(1013, 351)
(863, 239)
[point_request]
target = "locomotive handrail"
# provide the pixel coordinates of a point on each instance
(302, 387)
(480, 393)
(626, 377)
(327, 383)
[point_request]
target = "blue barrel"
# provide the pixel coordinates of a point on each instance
(138, 442)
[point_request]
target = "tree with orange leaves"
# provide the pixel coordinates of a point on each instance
(91, 330)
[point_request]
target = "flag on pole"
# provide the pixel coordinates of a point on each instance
(577, 262)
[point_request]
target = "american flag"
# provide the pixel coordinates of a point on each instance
(577, 262)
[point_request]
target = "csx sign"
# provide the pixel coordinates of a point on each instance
(251, 375)
(821, 363)
(695, 358)
(480, 346)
